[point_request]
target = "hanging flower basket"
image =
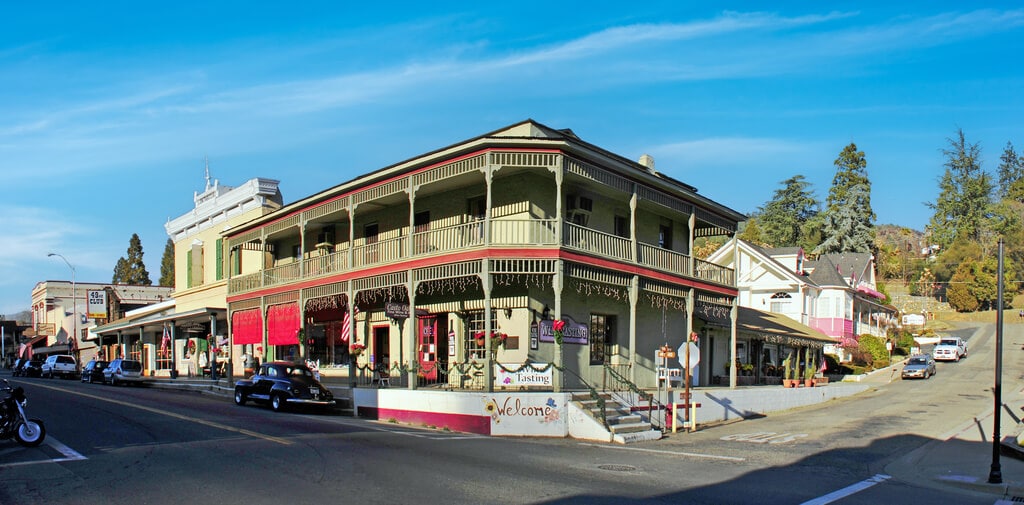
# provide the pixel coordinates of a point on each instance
(497, 340)
(558, 327)
(356, 349)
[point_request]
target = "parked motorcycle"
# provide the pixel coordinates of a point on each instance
(14, 422)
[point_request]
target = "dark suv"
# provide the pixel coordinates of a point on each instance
(93, 371)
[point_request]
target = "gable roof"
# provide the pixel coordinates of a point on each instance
(835, 269)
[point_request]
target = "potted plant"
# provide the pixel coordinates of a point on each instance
(788, 371)
(809, 369)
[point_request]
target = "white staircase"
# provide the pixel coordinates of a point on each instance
(623, 426)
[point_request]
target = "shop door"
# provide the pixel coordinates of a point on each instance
(427, 346)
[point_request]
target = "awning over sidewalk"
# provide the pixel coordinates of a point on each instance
(779, 329)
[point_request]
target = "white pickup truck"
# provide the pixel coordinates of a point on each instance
(950, 349)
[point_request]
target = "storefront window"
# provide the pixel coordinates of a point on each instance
(475, 323)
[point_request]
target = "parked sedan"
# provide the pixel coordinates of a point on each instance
(123, 371)
(921, 366)
(93, 371)
(281, 384)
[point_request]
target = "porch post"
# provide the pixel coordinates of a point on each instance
(212, 346)
(174, 353)
(634, 295)
(410, 331)
(485, 273)
(557, 283)
(733, 312)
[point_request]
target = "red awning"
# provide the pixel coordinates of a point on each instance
(283, 322)
(247, 327)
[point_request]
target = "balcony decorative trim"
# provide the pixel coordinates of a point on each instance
(279, 298)
(450, 170)
(600, 175)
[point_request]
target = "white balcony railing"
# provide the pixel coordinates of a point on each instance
(503, 232)
(327, 264)
(663, 259)
(596, 242)
(383, 251)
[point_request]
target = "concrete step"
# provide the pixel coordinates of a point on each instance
(637, 436)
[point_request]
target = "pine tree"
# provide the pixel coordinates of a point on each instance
(167, 265)
(132, 270)
(1011, 175)
(964, 194)
(848, 218)
(782, 220)
(120, 272)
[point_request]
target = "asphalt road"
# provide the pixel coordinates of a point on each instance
(138, 445)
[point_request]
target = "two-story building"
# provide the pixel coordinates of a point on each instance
(452, 268)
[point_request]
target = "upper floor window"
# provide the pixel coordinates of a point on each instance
(665, 236)
(621, 226)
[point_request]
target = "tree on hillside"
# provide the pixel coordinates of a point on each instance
(964, 194)
(782, 220)
(848, 219)
(959, 291)
(167, 265)
(132, 270)
(751, 232)
(1011, 175)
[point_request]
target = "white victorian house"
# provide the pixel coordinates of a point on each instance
(835, 294)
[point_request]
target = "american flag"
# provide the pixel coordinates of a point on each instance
(346, 325)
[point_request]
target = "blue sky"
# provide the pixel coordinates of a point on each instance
(109, 109)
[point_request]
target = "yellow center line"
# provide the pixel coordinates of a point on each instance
(173, 415)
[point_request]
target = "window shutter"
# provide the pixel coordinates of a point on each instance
(220, 259)
(188, 269)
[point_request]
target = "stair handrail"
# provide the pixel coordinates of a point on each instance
(640, 394)
(593, 394)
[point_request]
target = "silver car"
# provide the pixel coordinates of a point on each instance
(123, 371)
(920, 366)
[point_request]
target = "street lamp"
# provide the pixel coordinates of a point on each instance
(74, 298)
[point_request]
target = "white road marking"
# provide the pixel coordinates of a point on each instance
(668, 453)
(848, 490)
(68, 453)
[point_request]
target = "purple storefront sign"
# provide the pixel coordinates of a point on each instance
(574, 333)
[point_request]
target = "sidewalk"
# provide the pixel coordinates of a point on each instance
(962, 458)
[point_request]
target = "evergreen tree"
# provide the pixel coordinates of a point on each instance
(751, 232)
(1011, 175)
(132, 270)
(848, 218)
(120, 272)
(964, 194)
(782, 220)
(167, 265)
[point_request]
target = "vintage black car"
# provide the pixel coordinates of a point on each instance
(283, 383)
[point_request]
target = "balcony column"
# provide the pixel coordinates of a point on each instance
(557, 283)
(559, 199)
(409, 248)
(691, 224)
(302, 249)
(351, 238)
(489, 180)
(634, 245)
(485, 275)
(634, 296)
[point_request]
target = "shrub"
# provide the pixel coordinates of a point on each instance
(875, 346)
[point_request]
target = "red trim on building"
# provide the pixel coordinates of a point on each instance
(456, 422)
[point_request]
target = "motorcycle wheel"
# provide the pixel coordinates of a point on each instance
(30, 434)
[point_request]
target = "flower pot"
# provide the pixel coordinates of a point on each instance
(809, 383)
(789, 383)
